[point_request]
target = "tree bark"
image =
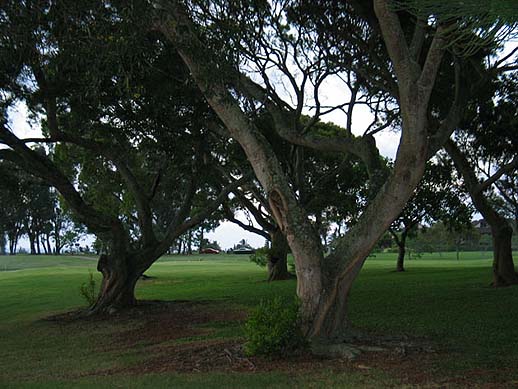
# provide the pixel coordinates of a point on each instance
(504, 273)
(118, 284)
(400, 267)
(330, 320)
(278, 257)
(401, 244)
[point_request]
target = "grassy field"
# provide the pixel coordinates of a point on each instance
(448, 304)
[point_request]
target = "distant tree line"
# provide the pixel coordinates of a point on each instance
(32, 209)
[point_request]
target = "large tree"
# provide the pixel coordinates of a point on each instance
(485, 153)
(125, 128)
(270, 42)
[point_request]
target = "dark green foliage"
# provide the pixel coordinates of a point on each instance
(272, 328)
(88, 290)
(260, 257)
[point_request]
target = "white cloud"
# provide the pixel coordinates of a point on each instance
(228, 234)
(20, 123)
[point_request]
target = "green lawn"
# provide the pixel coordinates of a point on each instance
(439, 299)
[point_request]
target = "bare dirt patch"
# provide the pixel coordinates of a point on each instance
(162, 322)
(177, 336)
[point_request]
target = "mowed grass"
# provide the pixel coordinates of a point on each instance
(447, 302)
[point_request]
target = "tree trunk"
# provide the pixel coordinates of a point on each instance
(401, 258)
(31, 243)
(201, 240)
(13, 243)
(38, 245)
(400, 266)
(504, 273)
(118, 284)
(57, 240)
(45, 248)
(278, 257)
(329, 323)
(49, 247)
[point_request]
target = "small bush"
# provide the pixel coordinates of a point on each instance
(260, 257)
(273, 328)
(88, 290)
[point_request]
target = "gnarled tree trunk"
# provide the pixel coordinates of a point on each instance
(118, 284)
(278, 257)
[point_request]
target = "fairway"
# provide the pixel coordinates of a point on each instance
(467, 329)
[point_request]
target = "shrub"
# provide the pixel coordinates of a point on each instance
(260, 257)
(273, 328)
(88, 290)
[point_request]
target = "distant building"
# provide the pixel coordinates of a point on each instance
(242, 248)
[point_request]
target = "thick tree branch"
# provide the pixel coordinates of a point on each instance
(505, 169)
(116, 155)
(395, 42)
(44, 168)
(433, 60)
(229, 215)
(256, 213)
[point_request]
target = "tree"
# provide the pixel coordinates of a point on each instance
(435, 198)
(39, 204)
(323, 284)
(13, 210)
(489, 138)
(122, 137)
